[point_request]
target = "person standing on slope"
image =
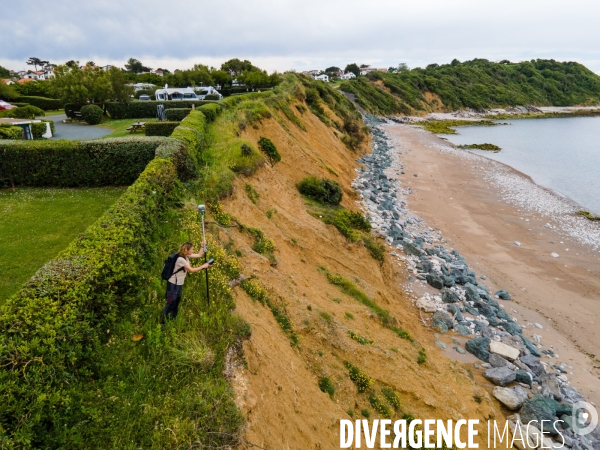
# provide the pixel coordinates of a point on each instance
(175, 282)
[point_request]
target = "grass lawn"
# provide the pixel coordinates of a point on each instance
(36, 224)
(56, 112)
(119, 127)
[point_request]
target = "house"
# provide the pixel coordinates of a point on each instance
(140, 86)
(157, 72)
(32, 74)
(47, 73)
(21, 73)
(7, 81)
(25, 80)
(107, 67)
(311, 73)
(321, 77)
(348, 76)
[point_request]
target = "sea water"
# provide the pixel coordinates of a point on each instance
(562, 154)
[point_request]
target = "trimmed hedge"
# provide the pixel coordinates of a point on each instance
(65, 163)
(23, 112)
(211, 111)
(192, 131)
(39, 128)
(160, 128)
(92, 114)
(176, 114)
(71, 108)
(51, 331)
(11, 133)
(146, 110)
(47, 104)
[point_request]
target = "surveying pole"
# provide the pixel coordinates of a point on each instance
(202, 210)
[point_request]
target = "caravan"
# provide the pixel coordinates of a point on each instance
(203, 91)
(176, 94)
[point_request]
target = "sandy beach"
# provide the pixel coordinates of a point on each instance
(452, 193)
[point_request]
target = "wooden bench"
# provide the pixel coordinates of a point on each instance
(137, 126)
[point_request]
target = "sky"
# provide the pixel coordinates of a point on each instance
(301, 35)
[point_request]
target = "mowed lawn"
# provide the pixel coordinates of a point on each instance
(120, 126)
(36, 224)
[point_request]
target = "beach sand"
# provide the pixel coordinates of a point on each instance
(561, 294)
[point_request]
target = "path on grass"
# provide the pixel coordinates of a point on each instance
(76, 131)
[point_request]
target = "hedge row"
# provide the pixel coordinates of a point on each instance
(211, 111)
(39, 128)
(176, 114)
(47, 104)
(192, 132)
(160, 128)
(76, 163)
(11, 133)
(146, 110)
(52, 329)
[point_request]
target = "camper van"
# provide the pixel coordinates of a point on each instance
(176, 94)
(203, 91)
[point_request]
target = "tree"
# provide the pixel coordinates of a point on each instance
(72, 63)
(4, 73)
(91, 84)
(33, 61)
(135, 66)
(90, 63)
(236, 67)
(221, 77)
(332, 69)
(7, 92)
(364, 66)
(352, 68)
(402, 67)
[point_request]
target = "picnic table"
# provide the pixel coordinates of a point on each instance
(137, 126)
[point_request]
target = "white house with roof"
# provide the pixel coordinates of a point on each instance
(322, 77)
(33, 75)
(348, 76)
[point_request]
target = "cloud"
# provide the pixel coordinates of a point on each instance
(299, 34)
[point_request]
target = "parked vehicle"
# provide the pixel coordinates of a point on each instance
(144, 98)
(176, 94)
(203, 91)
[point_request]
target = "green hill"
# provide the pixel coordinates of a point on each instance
(476, 84)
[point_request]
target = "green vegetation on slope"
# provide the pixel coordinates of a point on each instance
(476, 84)
(447, 126)
(36, 224)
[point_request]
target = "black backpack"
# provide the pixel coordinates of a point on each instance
(168, 269)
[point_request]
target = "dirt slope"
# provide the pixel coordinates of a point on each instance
(278, 389)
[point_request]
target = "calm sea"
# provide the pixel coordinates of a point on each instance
(560, 154)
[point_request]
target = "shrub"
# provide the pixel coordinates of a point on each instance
(378, 406)
(422, 359)
(146, 110)
(23, 112)
(64, 163)
(248, 162)
(348, 222)
(53, 329)
(376, 249)
(176, 114)
(71, 109)
(47, 104)
(359, 377)
(326, 386)
(269, 149)
(211, 97)
(39, 128)
(12, 133)
(92, 114)
(161, 128)
(321, 190)
(192, 131)
(251, 193)
(211, 111)
(392, 398)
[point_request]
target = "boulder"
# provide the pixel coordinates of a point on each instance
(503, 350)
(503, 295)
(440, 344)
(454, 311)
(530, 346)
(459, 349)
(411, 249)
(462, 330)
(510, 326)
(450, 297)
(439, 326)
(497, 360)
(512, 398)
(500, 376)
(435, 280)
(479, 348)
(571, 394)
(426, 304)
(471, 294)
(524, 377)
(534, 363)
(443, 317)
(540, 408)
(550, 387)
(521, 439)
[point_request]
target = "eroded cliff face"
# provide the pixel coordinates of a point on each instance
(277, 381)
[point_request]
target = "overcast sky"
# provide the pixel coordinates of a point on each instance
(290, 34)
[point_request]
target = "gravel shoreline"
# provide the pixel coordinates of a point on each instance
(536, 388)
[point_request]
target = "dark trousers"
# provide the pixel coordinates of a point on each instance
(173, 295)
